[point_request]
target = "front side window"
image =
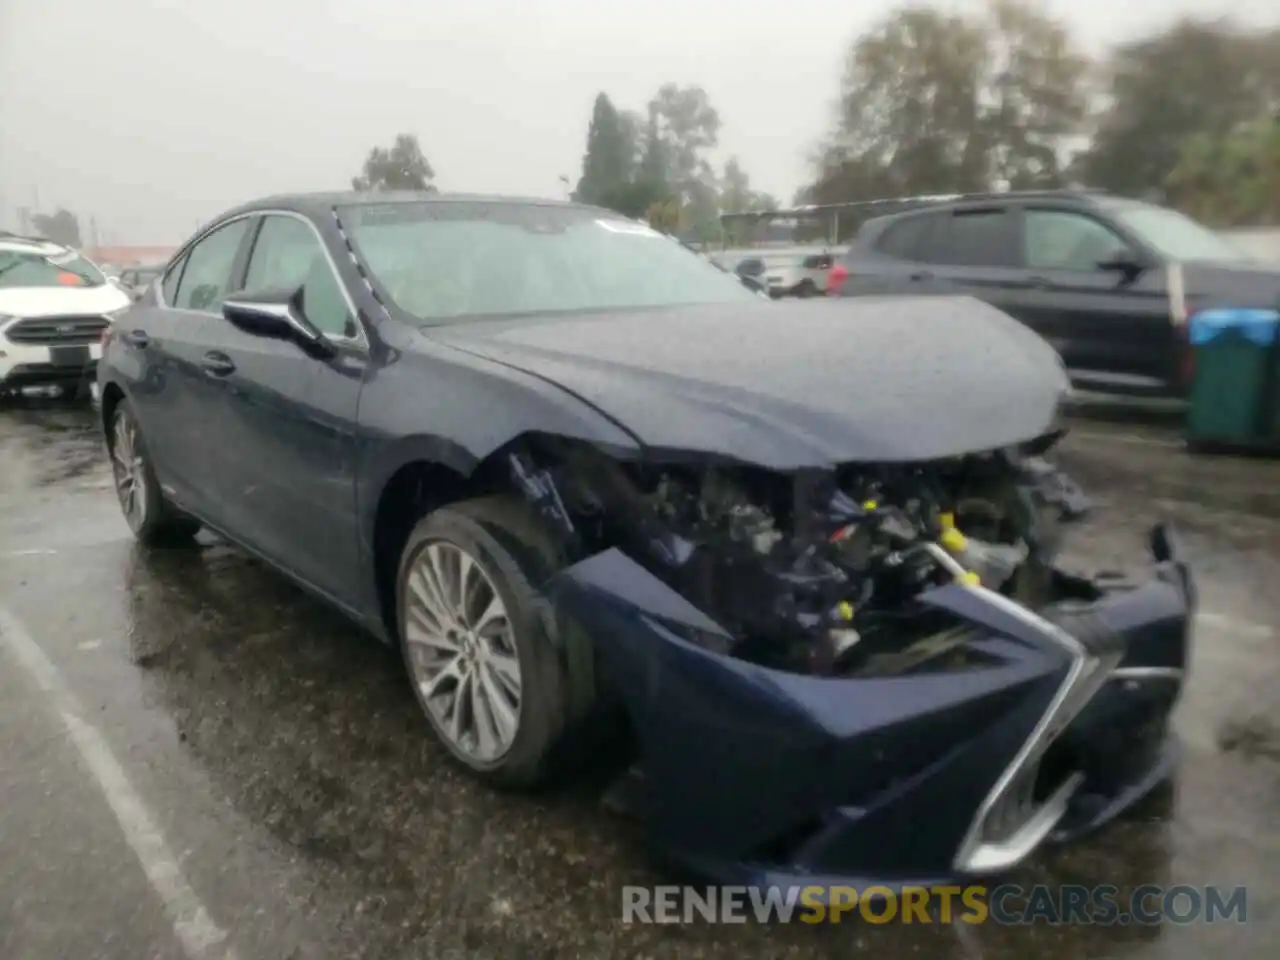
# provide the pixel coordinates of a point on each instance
(288, 255)
(47, 268)
(206, 281)
(1062, 240)
(448, 260)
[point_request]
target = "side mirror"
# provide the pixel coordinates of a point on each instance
(277, 315)
(1124, 262)
(753, 283)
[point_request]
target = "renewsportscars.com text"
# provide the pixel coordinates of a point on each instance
(1007, 905)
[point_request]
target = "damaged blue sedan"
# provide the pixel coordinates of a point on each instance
(794, 563)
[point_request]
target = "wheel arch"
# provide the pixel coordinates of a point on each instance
(416, 476)
(112, 396)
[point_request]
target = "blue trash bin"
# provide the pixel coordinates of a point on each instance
(1234, 350)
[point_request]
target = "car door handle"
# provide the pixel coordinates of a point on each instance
(1040, 283)
(217, 364)
(136, 338)
(921, 275)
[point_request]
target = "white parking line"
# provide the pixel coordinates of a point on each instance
(200, 936)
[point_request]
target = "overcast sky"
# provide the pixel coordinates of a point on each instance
(153, 115)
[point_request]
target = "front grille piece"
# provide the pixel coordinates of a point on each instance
(56, 331)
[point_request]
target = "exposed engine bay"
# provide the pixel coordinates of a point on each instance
(816, 571)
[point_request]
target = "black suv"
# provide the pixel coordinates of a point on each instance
(1109, 282)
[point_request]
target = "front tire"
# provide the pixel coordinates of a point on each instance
(502, 684)
(152, 518)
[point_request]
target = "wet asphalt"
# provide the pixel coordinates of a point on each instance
(273, 761)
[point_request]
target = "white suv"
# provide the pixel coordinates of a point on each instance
(54, 306)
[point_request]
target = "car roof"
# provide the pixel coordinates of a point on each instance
(321, 203)
(1083, 198)
(318, 205)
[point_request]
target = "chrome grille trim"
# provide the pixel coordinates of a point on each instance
(59, 331)
(1009, 810)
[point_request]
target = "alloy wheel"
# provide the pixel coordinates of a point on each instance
(461, 649)
(130, 470)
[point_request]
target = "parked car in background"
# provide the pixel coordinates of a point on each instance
(585, 480)
(793, 273)
(1109, 282)
(135, 280)
(54, 306)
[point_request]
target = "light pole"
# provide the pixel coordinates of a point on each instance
(567, 190)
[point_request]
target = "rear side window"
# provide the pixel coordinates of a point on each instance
(976, 238)
(908, 239)
(819, 261)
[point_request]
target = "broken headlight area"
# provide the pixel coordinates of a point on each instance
(816, 571)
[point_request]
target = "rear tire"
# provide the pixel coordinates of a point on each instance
(444, 638)
(152, 518)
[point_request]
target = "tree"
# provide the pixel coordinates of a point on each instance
(608, 164)
(683, 126)
(61, 227)
(736, 196)
(934, 102)
(1199, 77)
(647, 166)
(402, 167)
(1038, 95)
(1230, 180)
(667, 216)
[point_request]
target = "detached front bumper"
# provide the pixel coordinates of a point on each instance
(756, 776)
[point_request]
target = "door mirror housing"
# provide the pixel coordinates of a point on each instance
(1124, 262)
(755, 284)
(277, 315)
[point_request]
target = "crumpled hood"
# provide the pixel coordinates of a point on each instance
(791, 385)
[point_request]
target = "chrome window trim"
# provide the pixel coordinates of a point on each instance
(1147, 673)
(1085, 675)
(360, 339)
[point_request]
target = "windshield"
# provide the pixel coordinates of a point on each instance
(27, 268)
(1174, 236)
(442, 261)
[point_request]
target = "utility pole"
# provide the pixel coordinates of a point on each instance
(93, 234)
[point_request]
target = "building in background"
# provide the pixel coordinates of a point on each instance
(129, 256)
